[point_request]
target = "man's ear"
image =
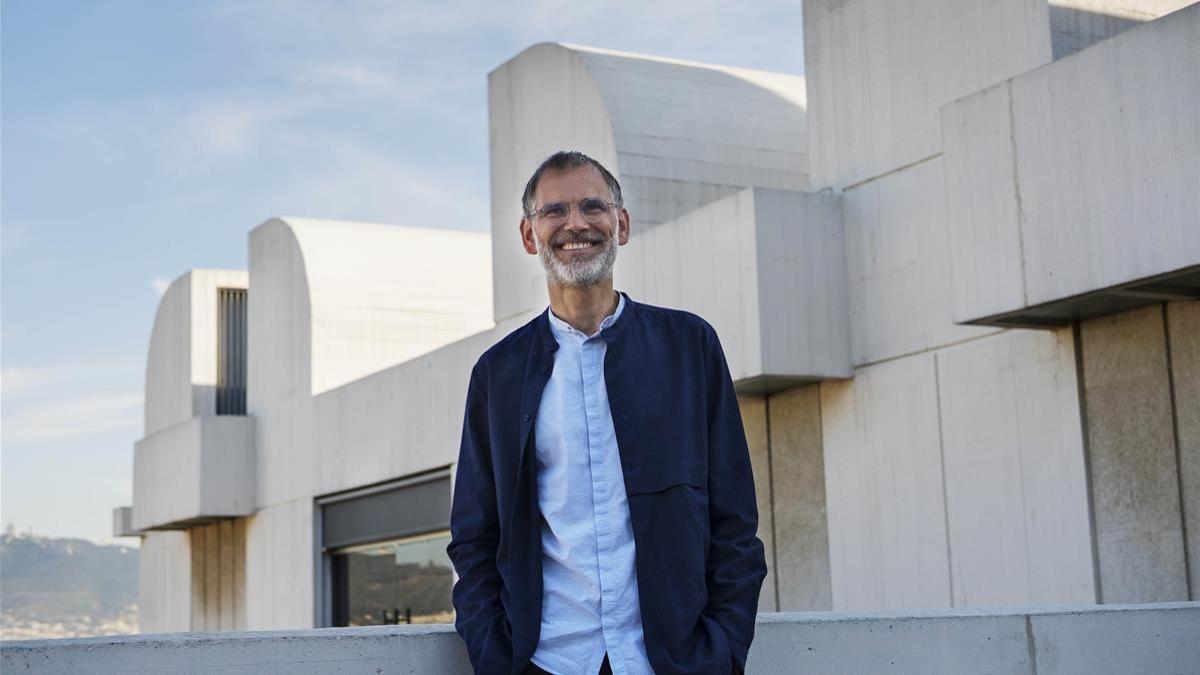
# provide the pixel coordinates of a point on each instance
(623, 227)
(527, 237)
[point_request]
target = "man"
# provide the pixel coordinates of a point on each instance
(604, 517)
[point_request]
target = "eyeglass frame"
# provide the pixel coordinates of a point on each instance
(609, 206)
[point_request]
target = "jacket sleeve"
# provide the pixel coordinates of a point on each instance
(736, 560)
(474, 539)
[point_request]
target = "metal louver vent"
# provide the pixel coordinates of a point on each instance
(231, 351)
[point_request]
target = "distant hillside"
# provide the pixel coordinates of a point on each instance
(66, 587)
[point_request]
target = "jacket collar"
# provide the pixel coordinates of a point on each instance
(611, 333)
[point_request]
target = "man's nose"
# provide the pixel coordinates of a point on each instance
(575, 219)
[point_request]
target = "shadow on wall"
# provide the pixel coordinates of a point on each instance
(1072, 29)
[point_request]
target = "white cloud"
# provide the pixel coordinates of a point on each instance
(73, 417)
(160, 285)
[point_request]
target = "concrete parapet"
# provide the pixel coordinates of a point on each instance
(1111, 639)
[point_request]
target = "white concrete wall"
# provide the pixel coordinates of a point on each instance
(383, 294)
(897, 264)
(878, 72)
(884, 488)
(955, 478)
(333, 302)
(164, 583)
(1080, 175)
(181, 366)
(400, 421)
(280, 573)
(1012, 447)
(741, 128)
(738, 262)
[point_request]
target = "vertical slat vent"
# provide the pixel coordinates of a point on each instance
(231, 351)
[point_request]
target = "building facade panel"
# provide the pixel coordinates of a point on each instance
(1016, 488)
(898, 267)
(798, 499)
(1133, 461)
(883, 486)
(878, 73)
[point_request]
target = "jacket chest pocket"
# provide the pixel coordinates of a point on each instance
(660, 467)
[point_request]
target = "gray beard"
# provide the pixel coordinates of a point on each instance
(580, 273)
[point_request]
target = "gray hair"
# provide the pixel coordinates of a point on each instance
(561, 161)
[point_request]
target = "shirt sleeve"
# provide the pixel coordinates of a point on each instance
(736, 559)
(474, 540)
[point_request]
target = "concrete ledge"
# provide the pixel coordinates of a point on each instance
(1156, 638)
(200, 469)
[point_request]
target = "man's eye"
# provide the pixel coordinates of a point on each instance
(555, 210)
(593, 207)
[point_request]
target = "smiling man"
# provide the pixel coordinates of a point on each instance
(604, 516)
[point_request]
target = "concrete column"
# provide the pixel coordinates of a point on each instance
(1132, 455)
(239, 574)
(798, 487)
(1183, 334)
(754, 419)
(198, 536)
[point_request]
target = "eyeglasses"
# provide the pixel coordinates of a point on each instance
(593, 210)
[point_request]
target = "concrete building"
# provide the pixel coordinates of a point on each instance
(955, 270)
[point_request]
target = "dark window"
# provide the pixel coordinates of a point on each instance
(398, 581)
(385, 549)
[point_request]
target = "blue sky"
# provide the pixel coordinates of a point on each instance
(142, 138)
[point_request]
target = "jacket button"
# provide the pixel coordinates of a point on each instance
(525, 418)
(545, 367)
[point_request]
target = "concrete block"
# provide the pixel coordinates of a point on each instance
(878, 73)
(1016, 485)
(765, 268)
(798, 489)
(424, 650)
(123, 522)
(678, 135)
(1183, 335)
(1131, 639)
(924, 642)
(1131, 445)
(897, 263)
(201, 468)
(883, 488)
(1079, 177)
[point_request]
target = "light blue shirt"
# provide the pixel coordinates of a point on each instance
(589, 583)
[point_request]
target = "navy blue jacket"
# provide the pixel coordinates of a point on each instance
(700, 565)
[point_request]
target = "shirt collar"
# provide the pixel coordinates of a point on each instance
(562, 329)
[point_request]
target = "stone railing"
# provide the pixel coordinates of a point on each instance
(1158, 638)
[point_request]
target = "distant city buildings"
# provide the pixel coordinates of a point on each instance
(955, 270)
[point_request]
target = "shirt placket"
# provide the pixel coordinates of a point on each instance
(592, 355)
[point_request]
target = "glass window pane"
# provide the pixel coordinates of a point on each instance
(398, 581)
